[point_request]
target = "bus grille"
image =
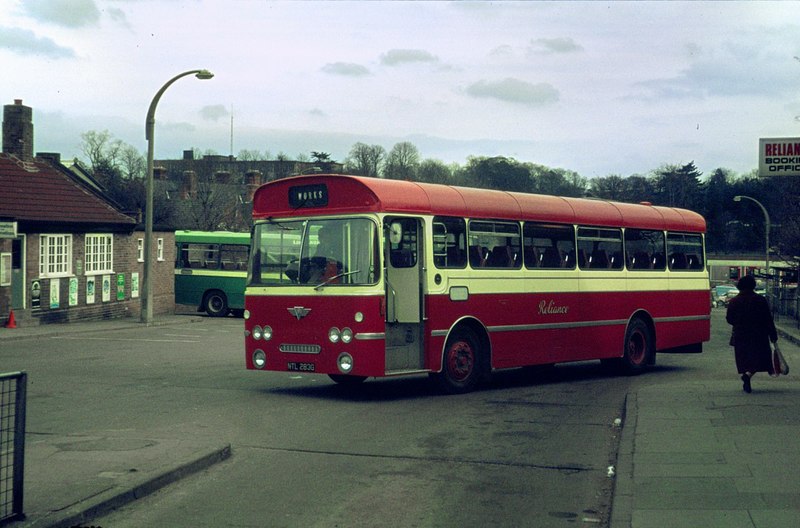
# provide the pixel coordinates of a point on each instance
(300, 349)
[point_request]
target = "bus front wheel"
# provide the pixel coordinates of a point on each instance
(215, 304)
(461, 368)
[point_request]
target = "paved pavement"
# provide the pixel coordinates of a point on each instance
(692, 454)
(71, 479)
(706, 454)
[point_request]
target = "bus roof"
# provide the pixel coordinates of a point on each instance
(337, 194)
(211, 237)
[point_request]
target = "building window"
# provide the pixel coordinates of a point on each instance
(160, 250)
(55, 256)
(99, 254)
(140, 250)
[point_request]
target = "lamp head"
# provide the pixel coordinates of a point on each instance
(737, 198)
(204, 75)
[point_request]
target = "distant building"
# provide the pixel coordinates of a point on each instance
(215, 192)
(67, 252)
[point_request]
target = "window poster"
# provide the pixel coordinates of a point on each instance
(55, 287)
(120, 286)
(90, 289)
(72, 300)
(106, 288)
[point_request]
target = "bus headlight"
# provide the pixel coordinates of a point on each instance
(257, 332)
(334, 335)
(345, 363)
(259, 359)
(267, 333)
(246, 315)
(347, 335)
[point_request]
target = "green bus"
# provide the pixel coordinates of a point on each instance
(211, 270)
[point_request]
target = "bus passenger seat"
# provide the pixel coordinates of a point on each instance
(501, 257)
(532, 256)
(551, 258)
(455, 257)
(677, 261)
(641, 260)
(599, 259)
(476, 257)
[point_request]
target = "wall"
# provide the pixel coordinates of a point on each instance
(122, 298)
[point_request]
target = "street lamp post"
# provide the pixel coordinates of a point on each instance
(739, 198)
(147, 299)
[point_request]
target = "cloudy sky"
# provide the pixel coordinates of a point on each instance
(599, 87)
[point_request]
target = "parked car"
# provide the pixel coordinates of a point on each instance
(720, 295)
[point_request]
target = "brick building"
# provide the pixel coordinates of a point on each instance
(67, 252)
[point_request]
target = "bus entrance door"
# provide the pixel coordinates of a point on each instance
(403, 275)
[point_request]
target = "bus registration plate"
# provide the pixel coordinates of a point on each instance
(300, 367)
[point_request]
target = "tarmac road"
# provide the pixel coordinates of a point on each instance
(106, 405)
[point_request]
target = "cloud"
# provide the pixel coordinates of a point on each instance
(213, 112)
(551, 46)
(515, 91)
(317, 112)
(118, 15)
(397, 57)
(25, 42)
(68, 13)
(748, 67)
(348, 69)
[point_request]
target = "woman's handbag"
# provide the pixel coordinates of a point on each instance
(779, 364)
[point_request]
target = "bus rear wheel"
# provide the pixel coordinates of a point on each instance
(639, 347)
(461, 366)
(215, 303)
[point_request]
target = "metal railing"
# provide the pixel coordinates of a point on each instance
(13, 391)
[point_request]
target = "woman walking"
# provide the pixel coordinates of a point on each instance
(753, 329)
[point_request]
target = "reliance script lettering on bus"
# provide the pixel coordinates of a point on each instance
(551, 308)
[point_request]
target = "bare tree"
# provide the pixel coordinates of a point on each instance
(365, 160)
(132, 163)
(402, 162)
(99, 147)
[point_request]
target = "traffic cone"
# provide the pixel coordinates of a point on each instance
(11, 323)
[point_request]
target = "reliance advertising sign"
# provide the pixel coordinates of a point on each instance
(779, 156)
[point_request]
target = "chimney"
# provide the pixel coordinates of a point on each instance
(54, 158)
(18, 130)
(222, 177)
(189, 185)
(252, 180)
(159, 173)
(188, 155)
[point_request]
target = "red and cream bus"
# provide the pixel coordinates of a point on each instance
(358, 277)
